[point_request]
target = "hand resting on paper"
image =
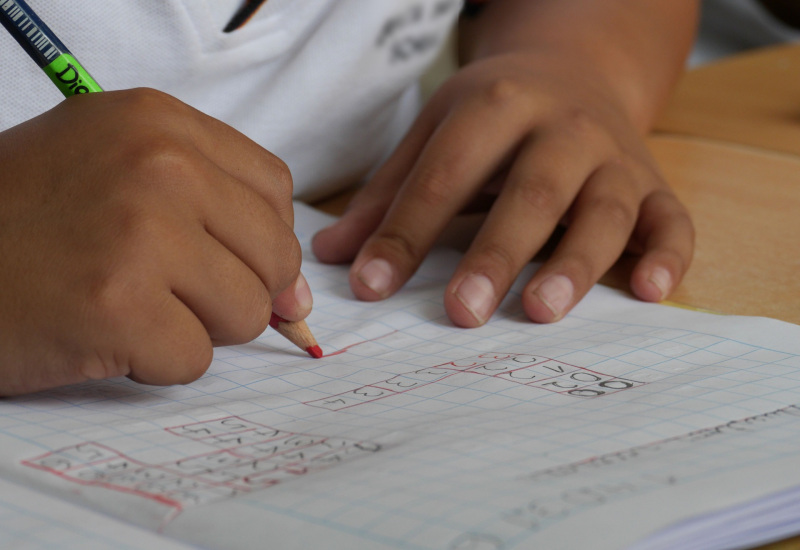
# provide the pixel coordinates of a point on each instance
(554, 129)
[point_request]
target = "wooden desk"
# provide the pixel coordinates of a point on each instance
(741, 180)
(746, 208)
(751, 99)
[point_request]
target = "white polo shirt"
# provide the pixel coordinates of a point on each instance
(327, 85)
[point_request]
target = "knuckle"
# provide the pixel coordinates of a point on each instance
(110, 288)
(579, 123)
(394, 244)
(281, 176)
(499, 257)
(157, 161)
(540, 192)
(148, 102)
(504, 91)
(100, 367)
(630, 166)
(109, 300)
(619, 213)
(434, 187)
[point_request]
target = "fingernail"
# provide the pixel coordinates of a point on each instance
(476, 292)
(556, 293)
(377, 274)
(662, 280)
(302, 294)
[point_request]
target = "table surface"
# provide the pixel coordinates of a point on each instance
(751, 99)
(733, 157)
(745, 205)
(729, 144)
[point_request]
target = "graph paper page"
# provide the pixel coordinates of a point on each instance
(34, 521)
(595, 432)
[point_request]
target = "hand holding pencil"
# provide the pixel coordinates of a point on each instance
(138, 233)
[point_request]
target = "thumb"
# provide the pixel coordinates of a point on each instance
(295, 302)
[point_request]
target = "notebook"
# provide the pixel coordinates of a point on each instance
(624, 425)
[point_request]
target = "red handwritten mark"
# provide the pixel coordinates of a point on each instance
(341, 351)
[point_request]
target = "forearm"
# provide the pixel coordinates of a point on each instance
(634, 48)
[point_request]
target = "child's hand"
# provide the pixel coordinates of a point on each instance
(551, 139)
(137, 233)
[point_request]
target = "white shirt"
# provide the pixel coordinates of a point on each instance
(732, 26)
(329, 86)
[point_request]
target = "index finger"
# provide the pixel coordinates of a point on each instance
(468, 147)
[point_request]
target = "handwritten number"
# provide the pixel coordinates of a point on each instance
(557, 384)
(333, 401)
(616, 384)
(365, 393)
(400, 384)
(585, 392)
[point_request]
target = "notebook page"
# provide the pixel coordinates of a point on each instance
(33, 521)
(411, 433)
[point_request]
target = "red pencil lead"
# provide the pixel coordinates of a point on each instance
(314, 351)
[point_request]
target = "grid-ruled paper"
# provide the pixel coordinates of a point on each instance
(411, 433)
(34, 521)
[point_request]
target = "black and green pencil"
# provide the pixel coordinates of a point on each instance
(44, 47)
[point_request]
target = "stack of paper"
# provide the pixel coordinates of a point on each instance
(763, 520)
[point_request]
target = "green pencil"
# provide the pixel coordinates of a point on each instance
(46, 49)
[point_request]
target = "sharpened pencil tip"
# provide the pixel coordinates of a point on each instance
(314, 351)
